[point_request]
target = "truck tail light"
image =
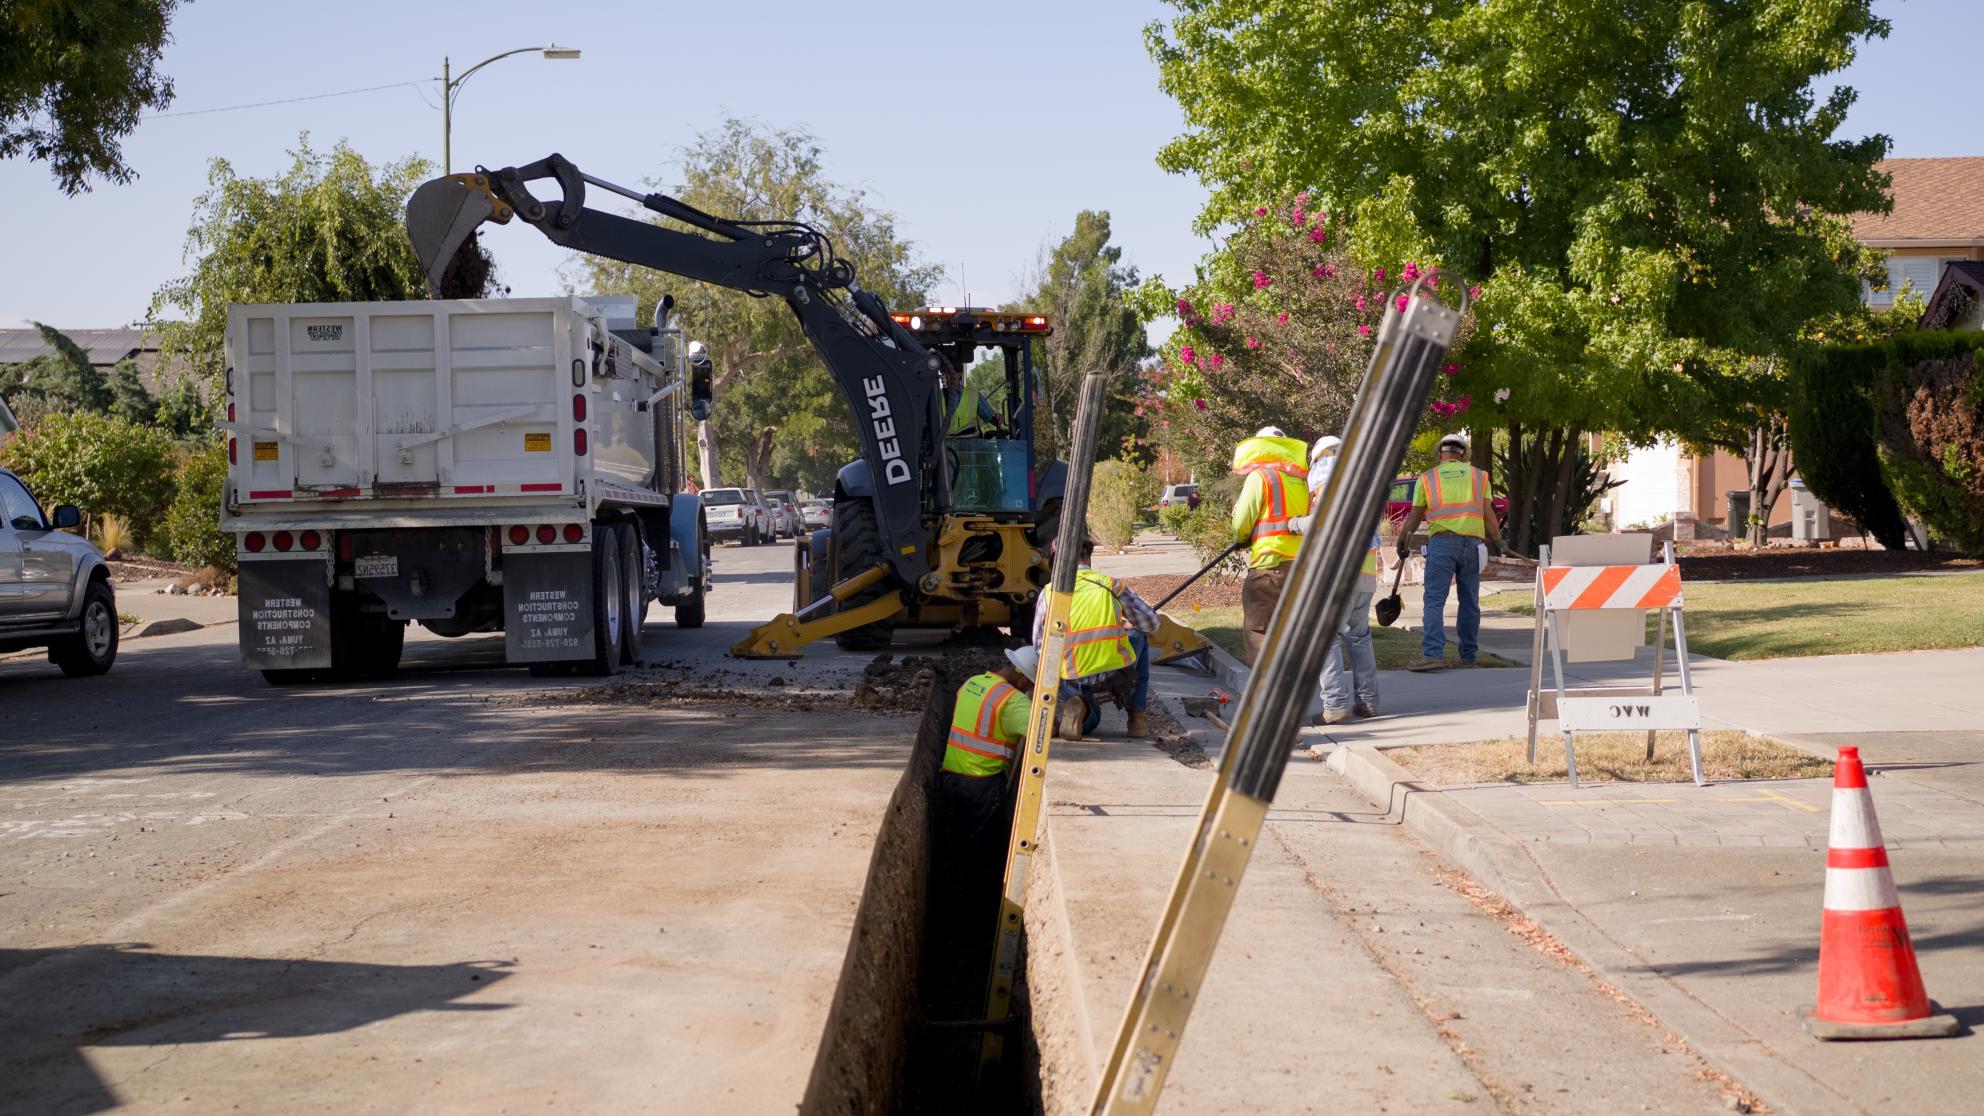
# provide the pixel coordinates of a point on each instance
(312, 540)
(230, 412)
(284, 540)
(579, 408)
(344, 547)
(546, 533)
(579, 443)
(574, 532)
(231, 458)
(254, 542)
(519, 535)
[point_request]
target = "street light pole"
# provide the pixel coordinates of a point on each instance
(449, 84)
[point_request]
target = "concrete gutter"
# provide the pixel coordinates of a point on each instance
(1501, 863)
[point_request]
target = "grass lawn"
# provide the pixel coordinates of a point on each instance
(1770, 620)
(1395, 647)
(1618, 757)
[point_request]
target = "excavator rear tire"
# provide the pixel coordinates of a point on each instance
(857, 546)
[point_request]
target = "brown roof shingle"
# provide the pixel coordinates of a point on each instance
(1935, 201)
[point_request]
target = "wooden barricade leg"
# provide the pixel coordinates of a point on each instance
(1536, 655)
(1687, 688)
(1659, 667)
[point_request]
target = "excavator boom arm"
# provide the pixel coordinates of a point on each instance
(889, 379)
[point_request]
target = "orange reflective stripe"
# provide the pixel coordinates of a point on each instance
(988, 709)
(1274, 480)
(978, 745)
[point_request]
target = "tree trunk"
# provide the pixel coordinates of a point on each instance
(706, 452)
(1768, 465)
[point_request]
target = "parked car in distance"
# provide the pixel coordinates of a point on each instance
(785, 514)
(734, 513)
(54, 586)
(768, 520)
(1174, 494)
(1399, 504)
(816, 514)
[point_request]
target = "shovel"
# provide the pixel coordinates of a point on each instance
(1203, 570)
(1388, 608)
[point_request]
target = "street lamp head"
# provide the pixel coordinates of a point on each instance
(558, 52)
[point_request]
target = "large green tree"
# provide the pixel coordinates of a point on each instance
(780, 420)
(329, 229)
(75, 76)
(1652, 199)
(1083, 284)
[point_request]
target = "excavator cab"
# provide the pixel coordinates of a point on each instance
(989, 444)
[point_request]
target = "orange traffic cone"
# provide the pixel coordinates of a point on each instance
(1869, 985)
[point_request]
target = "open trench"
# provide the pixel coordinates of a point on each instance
(904, 1030)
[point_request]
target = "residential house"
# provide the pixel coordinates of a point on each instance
(1937, 222)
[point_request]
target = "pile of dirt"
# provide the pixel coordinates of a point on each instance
(1723, 562)
(1210, 591)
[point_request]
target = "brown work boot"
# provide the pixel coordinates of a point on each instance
(1139, 724)
(1069, 725)
(1424, 664)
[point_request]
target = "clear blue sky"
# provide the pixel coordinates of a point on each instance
(910, 101)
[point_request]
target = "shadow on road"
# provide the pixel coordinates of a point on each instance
(99, 995)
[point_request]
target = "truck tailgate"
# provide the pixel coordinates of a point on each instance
(455, 398)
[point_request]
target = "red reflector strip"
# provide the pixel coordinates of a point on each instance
(271, 494)
(540, 488)
(337, 493)
(471, 489)
(1856, 858)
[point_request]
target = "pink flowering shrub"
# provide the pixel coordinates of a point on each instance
(1287, 276)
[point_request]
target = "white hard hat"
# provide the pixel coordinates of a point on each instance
(1456, 440)
(1269, 432)
(1325, 444)
(1026, 659)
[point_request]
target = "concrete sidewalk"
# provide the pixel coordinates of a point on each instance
(1702, 903)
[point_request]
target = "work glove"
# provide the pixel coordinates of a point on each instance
(1495, 549)
(1404, 551)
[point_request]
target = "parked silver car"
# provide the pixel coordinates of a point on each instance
(54, 587)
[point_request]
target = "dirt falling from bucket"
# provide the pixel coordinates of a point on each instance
(903, 1032)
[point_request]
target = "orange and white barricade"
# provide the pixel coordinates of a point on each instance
(1564, 590)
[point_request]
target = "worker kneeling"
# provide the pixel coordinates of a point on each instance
(1107, 650)
(988, 729)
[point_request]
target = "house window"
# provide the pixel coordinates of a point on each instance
(1920, 272)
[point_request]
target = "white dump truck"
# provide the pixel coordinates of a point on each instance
(473, 465)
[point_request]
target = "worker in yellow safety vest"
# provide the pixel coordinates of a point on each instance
(1350, 669)
(1274, 496)
(1452, 499)
(974, 787)
(973, 416)
(1109, 628)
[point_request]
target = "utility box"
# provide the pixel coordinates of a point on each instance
(1810, 519)
(1738, 520)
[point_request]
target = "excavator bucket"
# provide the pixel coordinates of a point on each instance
(445, 212)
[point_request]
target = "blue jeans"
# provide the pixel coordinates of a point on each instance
(1350, 671)
(1139, 697)
(1457, 559)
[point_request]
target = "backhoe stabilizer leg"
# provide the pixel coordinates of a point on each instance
(785, 636)
(1173, 641)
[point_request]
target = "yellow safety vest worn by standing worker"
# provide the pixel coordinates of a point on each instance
(1097, 641)
(1454, 496)
(1275, 495)
(988, 725)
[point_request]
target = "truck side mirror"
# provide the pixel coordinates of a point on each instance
(701, 385)
(67, 516)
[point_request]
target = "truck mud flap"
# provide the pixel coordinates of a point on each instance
(547, 607)
(285, 615)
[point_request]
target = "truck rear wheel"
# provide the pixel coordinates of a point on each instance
(609, 601)
(857, 537)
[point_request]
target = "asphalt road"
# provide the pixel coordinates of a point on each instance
(460, 888)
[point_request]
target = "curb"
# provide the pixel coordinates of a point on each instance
(1501, 863)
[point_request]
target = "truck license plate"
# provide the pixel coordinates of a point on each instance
(377, 565)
